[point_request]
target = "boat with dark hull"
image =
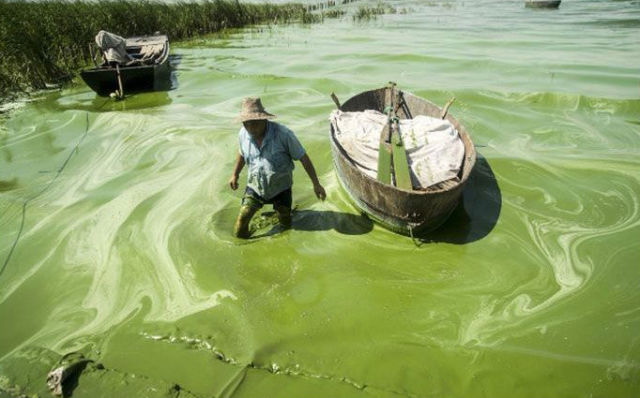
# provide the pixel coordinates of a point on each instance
(407, 211)
(542, 4)
(141, 65)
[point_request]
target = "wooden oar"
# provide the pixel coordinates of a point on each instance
(445, 110)
(335, 99)
(398, 152)
(120, 91)
(384, 150)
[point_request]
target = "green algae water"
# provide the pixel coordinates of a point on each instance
(116, 219)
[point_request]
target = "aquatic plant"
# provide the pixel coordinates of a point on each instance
(333, 13)
(48, 42)
(365, 13)
(406, 10)
(309, 17)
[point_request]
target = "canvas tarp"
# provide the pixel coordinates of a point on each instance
(113, 47)
(434, 148)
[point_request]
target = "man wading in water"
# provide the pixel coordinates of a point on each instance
(268, 149)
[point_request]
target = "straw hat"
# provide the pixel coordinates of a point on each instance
(252, 109)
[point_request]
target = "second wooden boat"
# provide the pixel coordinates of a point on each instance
(133, 64)
(542, 4)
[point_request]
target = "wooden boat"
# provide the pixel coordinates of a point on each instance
(147, 68)
(542, 4)
(405, 211)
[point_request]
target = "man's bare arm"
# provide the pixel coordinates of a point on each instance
(237, 168)
(311, 171)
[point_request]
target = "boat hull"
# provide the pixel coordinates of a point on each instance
(403, 211)
(542, 4)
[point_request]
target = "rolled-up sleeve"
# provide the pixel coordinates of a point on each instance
(296, 150)
(241, 141)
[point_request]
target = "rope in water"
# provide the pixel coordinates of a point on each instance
(415, 242)
(28, 200)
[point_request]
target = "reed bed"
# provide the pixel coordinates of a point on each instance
(48, 42)
(365, 13)
(333, 13)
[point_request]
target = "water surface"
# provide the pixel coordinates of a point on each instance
(116, 219)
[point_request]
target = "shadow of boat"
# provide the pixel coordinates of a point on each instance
(477, 213)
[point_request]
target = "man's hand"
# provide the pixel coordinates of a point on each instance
(237, 168)
(311, 171)
(319, 190)
(233, 182)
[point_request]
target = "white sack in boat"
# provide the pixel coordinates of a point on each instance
(113, 47)
(434, 148)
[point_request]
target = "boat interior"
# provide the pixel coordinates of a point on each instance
(146, 50)
(392, 165)
(130, 52)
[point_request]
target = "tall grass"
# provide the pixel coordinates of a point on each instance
(365, 13)
(48, 41)
(333, 13)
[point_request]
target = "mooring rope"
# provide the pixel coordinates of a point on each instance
(26, 201)
(415, 242)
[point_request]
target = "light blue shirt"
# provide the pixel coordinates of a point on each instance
(270, 167)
